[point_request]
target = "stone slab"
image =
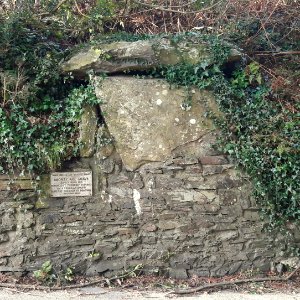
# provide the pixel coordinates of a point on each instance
(142, 55)
(148, 120)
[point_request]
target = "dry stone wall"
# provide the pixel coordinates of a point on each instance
(163, 195)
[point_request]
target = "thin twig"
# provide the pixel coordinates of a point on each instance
(182, 5)
(265, 22)
(54, 10)
(46, 288)
(79, 10)
(263, 53)
(176, 11)
(241, 281)
(67, 287)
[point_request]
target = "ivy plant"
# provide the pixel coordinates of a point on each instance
(40, 109)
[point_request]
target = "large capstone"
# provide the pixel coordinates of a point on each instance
(142, 55)
(148, 119)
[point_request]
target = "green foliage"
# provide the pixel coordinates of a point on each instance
(120, 36)
(263, 136)
(45, 274)
(36, 137)
(39, 109)
(247, 31)
(68, 275)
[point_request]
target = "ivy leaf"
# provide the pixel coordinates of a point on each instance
(204, 64)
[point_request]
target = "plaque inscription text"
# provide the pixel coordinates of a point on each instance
(69, 184)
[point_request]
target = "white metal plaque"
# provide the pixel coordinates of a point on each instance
(69, 184)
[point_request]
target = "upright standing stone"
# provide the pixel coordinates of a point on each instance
(148, 119)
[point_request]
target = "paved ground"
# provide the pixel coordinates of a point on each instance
(113, 294)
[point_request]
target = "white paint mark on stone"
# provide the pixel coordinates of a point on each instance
(192, 121)
(158, 102)
(102, 195)
(136, 199)
(109, 198)
(185, 107)
(150, 185)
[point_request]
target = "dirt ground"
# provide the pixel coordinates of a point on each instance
(117, 294)
(153, 287)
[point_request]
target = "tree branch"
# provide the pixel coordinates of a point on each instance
(79, 10)
(68, 287)
(263, 53)
(54, 10)
(176, 11)
(241, 281)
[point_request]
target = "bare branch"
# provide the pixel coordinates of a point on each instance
(176, 11)
(264, 53)
(226, 283)
(54, 10)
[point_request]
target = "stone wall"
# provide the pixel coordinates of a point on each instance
(163, 195)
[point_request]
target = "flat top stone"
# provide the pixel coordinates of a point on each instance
(147, 119)
(142, 55)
